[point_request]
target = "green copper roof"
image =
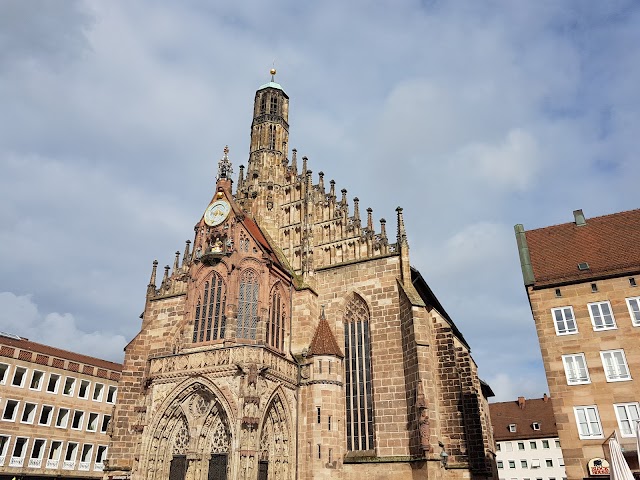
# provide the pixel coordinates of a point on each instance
(272, 85)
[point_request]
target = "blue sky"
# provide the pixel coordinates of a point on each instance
(473, 116)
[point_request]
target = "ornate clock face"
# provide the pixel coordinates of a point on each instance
(216, 213)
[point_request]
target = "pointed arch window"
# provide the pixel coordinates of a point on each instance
(272, 137)
(275, 327)
(273, 109)
(210, 321)
(358, 387)
(248, 305)
(263, 103)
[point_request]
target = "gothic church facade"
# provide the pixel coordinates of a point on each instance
(292, 341)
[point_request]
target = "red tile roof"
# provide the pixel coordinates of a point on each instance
(523, 414)
(324, 342)
(609, 244)
(27, 345)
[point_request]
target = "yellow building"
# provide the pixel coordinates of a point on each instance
(581, 279)
(294, 341)
(56, 410)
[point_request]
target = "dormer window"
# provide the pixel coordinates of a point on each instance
(512, 427)
(536, 426)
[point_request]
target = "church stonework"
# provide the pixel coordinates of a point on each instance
(292, 341)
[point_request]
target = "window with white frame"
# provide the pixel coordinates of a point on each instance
(69, 386)
(111, 394)
(549, 462)
(87, 450)
(512, 464)
(105, 423)
(4, 445)
(92, 424)
(520, 445)
(63, 418)
(615, 365)
(508, 447)
(45, 415)
(500, 464)
(564, 320)
(588, 422)
(628, 414)
(545, 443)
(78, 420)
(54, 381)
(98, 391)
(28, 413)
(535, 426)
(19, 375)
(20, 448)
(633, 304)
(601, 316)
(72, 450)
(523, 464)
(535, 463)
(512, 427)
(38, 449)
(101, 455)
(4, 370)
(37, 378)
(83, 391)
(575, 369)
(10, 410)
(55, 450)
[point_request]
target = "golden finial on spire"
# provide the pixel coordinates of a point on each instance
(273, 72)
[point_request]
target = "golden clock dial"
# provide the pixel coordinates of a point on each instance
(216, 213)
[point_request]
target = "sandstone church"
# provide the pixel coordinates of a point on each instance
(292, 340)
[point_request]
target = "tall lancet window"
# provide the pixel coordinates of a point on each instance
(274, 105)
(248, 305)
(210, 321)
(275, 327)
(272, 137)
(263, 103)
(357, 365)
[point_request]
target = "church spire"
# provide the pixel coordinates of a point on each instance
(225, 170)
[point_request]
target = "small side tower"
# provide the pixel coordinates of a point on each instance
(322, 406)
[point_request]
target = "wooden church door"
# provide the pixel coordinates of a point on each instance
(178, 468)
(217, 467)
(263, 470)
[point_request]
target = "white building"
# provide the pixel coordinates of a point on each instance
(527, 443)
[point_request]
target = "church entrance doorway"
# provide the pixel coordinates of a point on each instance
(178, 468)
(217, 467)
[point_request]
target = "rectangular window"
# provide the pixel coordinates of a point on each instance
(45, 415)
(498, 447)
(319, 366)
(105, 423)
(78, 420)
(18, 377)
(318, 415)
(38, 449)
(588, 422)
(601, 316)
(535, 463)
(535, 425)
(533, 445)
(557, 443)
(512, 427)
(512, 464)
(545, 443)
(549, 462)
(83, 391)
(508, 447)
(69, 386)
(20, 448)
(10, 410)
(523, 463)
(575, 369)
(28, 413)
(72, 450)
(319, 451)
(329, 422)
(561, 462)
(111, 394)
(634, 310)
(55, 450)
(102, 453)
(615, 365)
(92, 424)
(63, 418)
(87, 450)
(4, 371)
(520, 445)
(98, 390)
(628, 414)
(54, 380)
(500, 464)
(4, 445)
(564, 320)
(36, 380)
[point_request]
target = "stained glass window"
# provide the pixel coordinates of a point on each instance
(358, 388)
(210, 321)
(248, 305)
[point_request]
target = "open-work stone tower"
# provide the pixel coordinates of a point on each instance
(293, 341)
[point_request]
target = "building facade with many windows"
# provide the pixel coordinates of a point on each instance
(56, 408)
(582, 282)
(293, 340)
(527, 442)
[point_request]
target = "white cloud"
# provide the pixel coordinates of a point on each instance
(20, 315)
